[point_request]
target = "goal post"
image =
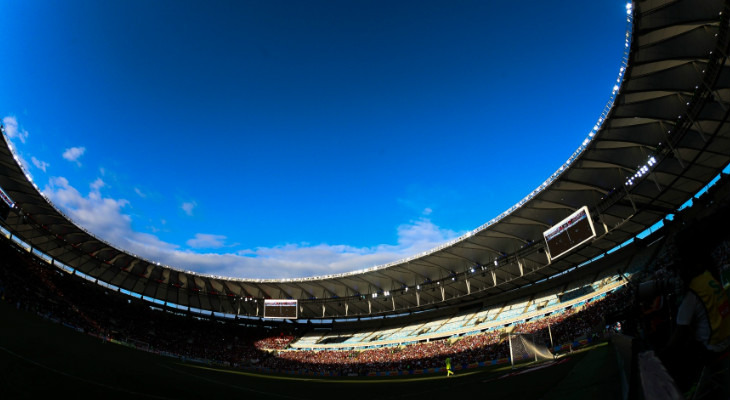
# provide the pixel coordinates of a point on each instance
(526, 347)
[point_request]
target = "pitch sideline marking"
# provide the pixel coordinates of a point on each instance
(329, 379)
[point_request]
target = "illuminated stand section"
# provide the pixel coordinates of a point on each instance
(280, 308)
(569, 233)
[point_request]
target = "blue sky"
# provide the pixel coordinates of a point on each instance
(273, 139)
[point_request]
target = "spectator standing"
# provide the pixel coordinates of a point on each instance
(702, 332)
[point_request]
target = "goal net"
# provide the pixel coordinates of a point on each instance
(525, 347)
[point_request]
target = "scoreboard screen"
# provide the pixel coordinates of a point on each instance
(569, 233)
(278, 308)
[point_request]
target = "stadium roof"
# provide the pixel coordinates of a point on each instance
(663, 136)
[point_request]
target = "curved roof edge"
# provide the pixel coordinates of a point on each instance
(663, 136)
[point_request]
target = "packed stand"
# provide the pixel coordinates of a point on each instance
(100, 311)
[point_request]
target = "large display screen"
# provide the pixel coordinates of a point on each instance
(569, 233)
(278, 308)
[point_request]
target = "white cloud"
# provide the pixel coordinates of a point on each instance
(188, 207)
(41, 165)
(105, 217)
(206, 241)
(13, 130)
(303, 260)
(94, 212)
(139, 193)
(72, 154)
(300, 260)
(97, 184)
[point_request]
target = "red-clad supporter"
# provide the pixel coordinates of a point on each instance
(274, 342)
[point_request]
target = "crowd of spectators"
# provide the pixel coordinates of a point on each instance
(696, 244)
(274, 342)
(659, 286)
(33, 285)
(565, 327)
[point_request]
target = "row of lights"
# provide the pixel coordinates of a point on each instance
(651, 163)
(453, 276)
(643, 170)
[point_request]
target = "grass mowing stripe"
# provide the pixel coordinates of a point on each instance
(429, 377)
(81, 379)
(594, 377)
(219, 383)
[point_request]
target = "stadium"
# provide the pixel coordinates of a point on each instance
(570, 293)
